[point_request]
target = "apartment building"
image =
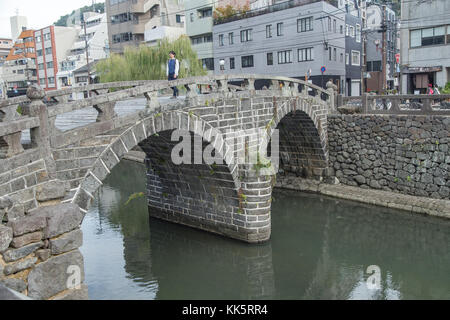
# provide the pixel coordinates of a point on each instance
(19, 69)
(290, 38)
(5, 47)
(132, 22)
(52, 45)
(97, 44)
(18, 24)
(375, 48)
(425, 45)
(354, 13)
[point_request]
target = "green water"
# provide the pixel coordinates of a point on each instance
(320, 249)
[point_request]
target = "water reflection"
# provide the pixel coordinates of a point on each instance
(320, 249)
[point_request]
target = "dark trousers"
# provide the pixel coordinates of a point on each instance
(175, 89)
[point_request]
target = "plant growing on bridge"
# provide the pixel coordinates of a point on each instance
(134, 196)
(149, 63)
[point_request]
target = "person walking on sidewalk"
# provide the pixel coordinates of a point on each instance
(172, 69)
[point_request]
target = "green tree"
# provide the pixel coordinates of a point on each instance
(149, 63)
(98, 7)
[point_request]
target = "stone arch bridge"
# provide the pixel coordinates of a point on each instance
(47, 185)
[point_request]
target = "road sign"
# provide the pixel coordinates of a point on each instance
(323, 69)
(397, 57)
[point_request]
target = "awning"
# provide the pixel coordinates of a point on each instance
(422, 69)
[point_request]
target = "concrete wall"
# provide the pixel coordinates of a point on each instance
(405, 154)
(290, 40)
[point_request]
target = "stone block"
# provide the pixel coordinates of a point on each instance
(43, 254)
(28, 238)
(67, 242)
(60, 218)
(6, 236)
(15, 284)
(27, 224)
(16, 254)
(55, 275)
(20, 265)
(51, 190)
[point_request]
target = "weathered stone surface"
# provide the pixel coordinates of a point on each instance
(16, 254)
(28, 238)
(15, 284)
(74, 294)
(53, 276)
(6, 236)
(5, 202)
(19, 265)
(27, 224)
(60, 218)
(51, 190)
(18, 211)
(67, 242)
(43, 254)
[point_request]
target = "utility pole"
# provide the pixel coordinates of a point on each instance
(383, 29)
(87, 56)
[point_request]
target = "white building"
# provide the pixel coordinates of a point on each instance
(18, 24)
(98, 48)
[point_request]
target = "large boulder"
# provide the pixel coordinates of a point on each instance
(55, 275)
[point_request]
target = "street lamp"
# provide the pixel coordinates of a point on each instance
(222, 65)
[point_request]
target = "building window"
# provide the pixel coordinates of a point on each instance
(334, 54)
(41, 66)
(46, 36)
(39, 53)
(51, 80)
(246, 35)
(334, 26)
(280, 29)
(247, 61)
(341, 59)
(347, 59)
(178, 18)
(358, 33)
(347, 28)
(231, 63)
(269, 31)
(48, 50)
(221, 40)
(50, 65)
(329, 53)
(352, 31)
(202, 39)
(284, 56)
(80, 79)
(230, 38)
(122, 37)
(42, 81)
(204, 13)
(192, 17)
(20, 71)
(305, 54)
(342, 29)
(329, 23)
(208, 63)
(38, 39)
(305, 24)
(356, 58)
(427, 37)
(269, 58)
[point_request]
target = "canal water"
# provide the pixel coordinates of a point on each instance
(321, 248)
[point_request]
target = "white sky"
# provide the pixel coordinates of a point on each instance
(40, 13)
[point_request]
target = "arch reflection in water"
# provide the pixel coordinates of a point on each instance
(320, 249)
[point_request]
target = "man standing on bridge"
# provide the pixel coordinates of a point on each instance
(173, 66)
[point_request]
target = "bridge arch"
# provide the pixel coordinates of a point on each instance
(199, 195)
(301, 125)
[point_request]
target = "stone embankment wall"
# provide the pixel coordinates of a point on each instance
(404, 154)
